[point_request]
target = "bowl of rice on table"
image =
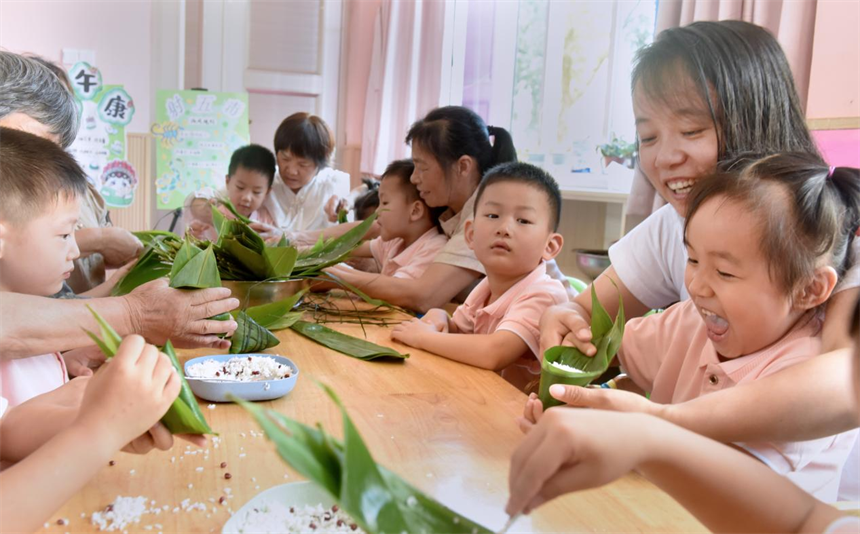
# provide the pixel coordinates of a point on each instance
(251, 377)
(291, 508)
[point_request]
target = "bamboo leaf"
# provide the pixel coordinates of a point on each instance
(149, 266)
(375, 497)
(341, 216)
(218, 220)
(249, 259)
(277, 315)
(335, 250)
(198, 272)
(351, 346)
(250, 337)
(279, 261)
(229, 205)
(183, 256)
(184, 415)
(606, 339)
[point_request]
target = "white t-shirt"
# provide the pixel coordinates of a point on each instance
(652, 258)
(305, 210)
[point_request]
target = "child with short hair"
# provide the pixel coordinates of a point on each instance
(42, 189)
(513, 235)
(767, 245)
(409, 234)
(247, 185)
(303, 147)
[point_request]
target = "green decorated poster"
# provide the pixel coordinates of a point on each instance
(195, 134)
(100, 146)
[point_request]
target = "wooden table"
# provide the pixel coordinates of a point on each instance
(447, 428)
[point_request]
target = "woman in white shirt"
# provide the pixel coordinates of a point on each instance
(303, 147)
(703, 94)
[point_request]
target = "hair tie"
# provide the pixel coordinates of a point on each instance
(830, 173)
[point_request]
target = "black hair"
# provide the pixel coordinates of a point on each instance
(402, 170)
(807, 210)
(34, 173)
(255, 158)
(530, 175)
(740, 72)
(454, 131)
(305, 136)
(366, 204)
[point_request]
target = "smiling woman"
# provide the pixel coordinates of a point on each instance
(452, 147)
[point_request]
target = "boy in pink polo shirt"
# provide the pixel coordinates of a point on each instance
(513, 234)
(39, 208)
(409, 236)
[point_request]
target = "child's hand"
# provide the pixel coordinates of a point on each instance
(158, 437)
(615, 400)
(268, 232)
(560, 325)
(81, 362)
(438, 318)
(532, 413)
(410, 332)
(129, 394)
(199, 228)
(572, 450)
(118, 246)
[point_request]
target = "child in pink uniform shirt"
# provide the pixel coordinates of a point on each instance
(766, 245)
(409, 236)
(39, 208)
(517, 209)
(248, 183)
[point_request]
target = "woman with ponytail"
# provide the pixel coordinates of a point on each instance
(452, 148)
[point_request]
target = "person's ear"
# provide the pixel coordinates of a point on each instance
(817, 290)
(469, 233)
(554, 244)
(226, 179)
(464, 166)
(417, 211)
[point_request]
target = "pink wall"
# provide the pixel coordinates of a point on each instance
(120, 33)
(839, 147)
(834, 88)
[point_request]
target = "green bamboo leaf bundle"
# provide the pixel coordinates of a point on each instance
(194, 268)
(326, 254)
(377, 499)
(155, 262)
(351, 346)
(229, 205)
(606, 335)
(250, 337)
(184, 415)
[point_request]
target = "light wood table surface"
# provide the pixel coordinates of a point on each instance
(447, 428)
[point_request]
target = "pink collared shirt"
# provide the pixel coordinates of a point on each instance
(411, 262)
(518, 310)
(669, 355)
(24, 378)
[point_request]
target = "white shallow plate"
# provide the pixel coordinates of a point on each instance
(293, 494)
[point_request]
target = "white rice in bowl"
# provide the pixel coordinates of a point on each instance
(275, 518)
(241, 369)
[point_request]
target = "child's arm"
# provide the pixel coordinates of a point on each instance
(572, 450)
(436, 287)
(840, 308)
(125, 398)
(810, 400)
(488, 351)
